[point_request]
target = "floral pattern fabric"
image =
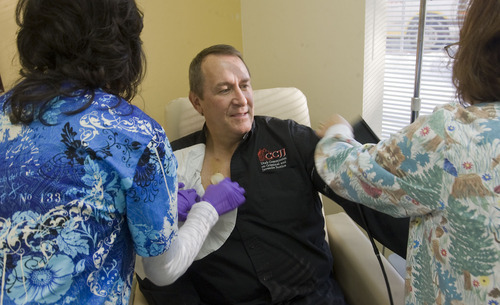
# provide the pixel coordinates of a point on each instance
(79, 198)
(443, 171)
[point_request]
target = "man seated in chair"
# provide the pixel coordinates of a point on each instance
(272, 250)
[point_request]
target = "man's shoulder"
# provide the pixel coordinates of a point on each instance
(262, 121)
(189, 140)
(274, 121)
(282, 126)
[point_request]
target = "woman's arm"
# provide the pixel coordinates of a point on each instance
(401, 176)
(166, 268)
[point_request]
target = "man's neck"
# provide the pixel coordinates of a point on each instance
(218, 154)
(221, 146)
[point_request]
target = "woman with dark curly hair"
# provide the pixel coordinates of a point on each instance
(87, 180)
(443, 171)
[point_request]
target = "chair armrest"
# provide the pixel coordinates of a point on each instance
(356, 267)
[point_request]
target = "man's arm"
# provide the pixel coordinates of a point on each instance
(389, 231)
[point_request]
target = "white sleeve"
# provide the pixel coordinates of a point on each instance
(340, 129)
(166, 268)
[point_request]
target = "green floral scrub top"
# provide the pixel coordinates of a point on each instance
(443, 171)
(79, 198)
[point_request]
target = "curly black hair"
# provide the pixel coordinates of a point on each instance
(75, 46)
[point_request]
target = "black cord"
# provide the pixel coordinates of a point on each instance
(377, 253)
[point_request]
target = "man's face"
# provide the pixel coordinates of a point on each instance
(227, 101)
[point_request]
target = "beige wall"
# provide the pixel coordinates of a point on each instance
(174, 32)
(314, 45)
(9, 65)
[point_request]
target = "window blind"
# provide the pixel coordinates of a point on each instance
(390, 55)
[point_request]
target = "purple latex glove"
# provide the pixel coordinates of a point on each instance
(224, 196)
(185, 200)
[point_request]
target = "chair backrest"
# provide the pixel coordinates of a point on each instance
(284, 103)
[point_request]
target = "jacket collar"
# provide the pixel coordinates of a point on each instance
(203, 134)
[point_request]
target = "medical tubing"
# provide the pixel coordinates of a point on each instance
(377, 253)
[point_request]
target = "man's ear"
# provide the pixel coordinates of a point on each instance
(195, 101)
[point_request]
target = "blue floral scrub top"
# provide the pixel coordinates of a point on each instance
(443, 171)
(79, 198)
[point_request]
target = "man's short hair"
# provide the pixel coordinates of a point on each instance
(196, 75)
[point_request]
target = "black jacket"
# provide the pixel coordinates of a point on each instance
(277, 253)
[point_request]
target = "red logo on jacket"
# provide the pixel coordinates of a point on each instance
(266, 155)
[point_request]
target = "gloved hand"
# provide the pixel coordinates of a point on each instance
(185, 200)
(224, 196)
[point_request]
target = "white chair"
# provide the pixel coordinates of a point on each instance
(355, 265)
(284, 103)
